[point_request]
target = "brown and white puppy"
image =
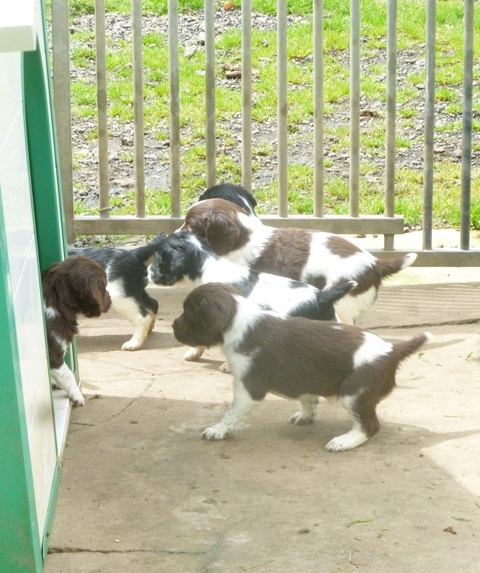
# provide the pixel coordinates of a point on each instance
(323, 260)
(76, 285)
(293, 357)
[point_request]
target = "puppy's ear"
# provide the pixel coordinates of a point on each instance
(56, 287)
(211, 317)
(223, 231)
(91, 286)
(211, 307)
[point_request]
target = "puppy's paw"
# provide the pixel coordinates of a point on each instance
(217, 432)
(225, 368)
(346, 441)
(77, 399)
(193, 353)
(131, 345)
(299, 419)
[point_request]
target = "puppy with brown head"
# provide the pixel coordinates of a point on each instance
(295, 358)
(77, 285)
(321, 259)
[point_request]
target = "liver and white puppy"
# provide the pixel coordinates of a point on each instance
(294, 358)
(186, 257)
(127, 279)
(321, 259)
(76, 285)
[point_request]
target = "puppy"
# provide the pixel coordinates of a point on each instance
(323, 260)
(294, 358)
(127, 279)
(232, 193)
(76, 285)
(183, 256)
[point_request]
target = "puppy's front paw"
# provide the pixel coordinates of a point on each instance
(77, 399)
(217, 432)
(225, 368)
(193, 353)
(131, 345)
(299, 419)
(347, 441)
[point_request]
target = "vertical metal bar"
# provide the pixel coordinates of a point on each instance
(354, 107)
(210, 90)
(282, 69)
(429, 125)
(247, 94)
(102, 108)
(174, 86)
(63, 116)
(138, 123)
(467, 125)
(391, 117)
(318, 108)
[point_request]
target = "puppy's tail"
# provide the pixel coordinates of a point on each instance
(404, 349)
(334, 294)
(144, 252)
(387, 267)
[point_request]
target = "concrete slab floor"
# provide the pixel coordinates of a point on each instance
(141, 492)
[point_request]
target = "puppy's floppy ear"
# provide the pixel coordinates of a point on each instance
(222, 231)
(81, 285)
(211, 307)
(210, 317)
(91, 286)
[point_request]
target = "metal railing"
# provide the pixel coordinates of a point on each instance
(387, 225)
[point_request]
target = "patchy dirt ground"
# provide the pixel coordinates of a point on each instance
(141, 492)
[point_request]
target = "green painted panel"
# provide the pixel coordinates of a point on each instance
(20, 550)
(41, 149)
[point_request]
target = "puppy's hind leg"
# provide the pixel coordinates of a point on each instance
(151, 306)
(308, 404)
(235, 415)
(365, 425)
(138, 317)
(64, 379)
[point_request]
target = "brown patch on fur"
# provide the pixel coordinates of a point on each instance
(217, 221)
(299, 356)
(285, 254)
(341, 247)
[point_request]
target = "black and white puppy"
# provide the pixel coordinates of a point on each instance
(233, 193)
(293, 357)
(127, 279)
(185, 257)
(76, 285)
(321, 259)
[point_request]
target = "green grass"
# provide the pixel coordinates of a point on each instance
(411, 36)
